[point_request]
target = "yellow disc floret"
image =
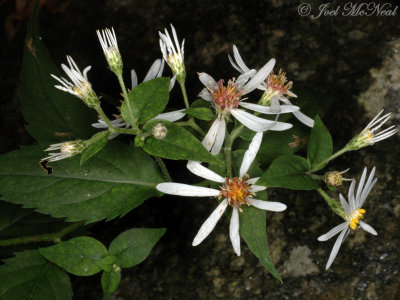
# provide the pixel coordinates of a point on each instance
(236, 190)
(355, 216)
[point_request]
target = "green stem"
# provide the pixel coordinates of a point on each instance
(126, 98)
(320, 165)
(113, 128)
(183, 89)
(228, 154)
(163, 168)
(47, 237)
(333, 204)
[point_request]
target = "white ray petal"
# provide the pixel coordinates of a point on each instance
(368, 228)
(304, 119)
(367, 187)
(366, 192)
(181, 189)
(196, 168)
(243, 78)
(234, 231)
(336, 248)
(259, 76)
(153, 71)
(209, 139)
(258, 124)
(250, 153)
(334, 231)
(210, 223)
(134, 78)
(360, 187)
(172, 82)
(268, 205)
(207, 80)
(171, 116)
(257, 188)
(239, 59)
(350, 195)
(205, 94)
(220, 138)
(268, 109)
(344, 203)
(252, 180)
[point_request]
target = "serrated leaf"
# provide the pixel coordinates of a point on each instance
(320, 145)
(11, 214)
(110, 282)
(201, 113)
(99, 141)
(146, 100)
(288, 171)
(79, 256)
(253, 231)
(51, 114)
(133, 246)
(177, 144)
(116, 180)
(29, 276)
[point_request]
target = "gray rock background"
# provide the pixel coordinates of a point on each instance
(355, 60)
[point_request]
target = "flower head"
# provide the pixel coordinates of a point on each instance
(236, 192)
(159, 131)
(275, 88)
(369, 136)
(227, 99)
(335, 178)
(173, 53)
(67, 149)
(79, 85)
(108, 41)
(352, 212)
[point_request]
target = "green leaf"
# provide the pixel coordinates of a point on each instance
(320, 145)
(133, 246)
(78, 256)
(253, 231)
(110, 282)
(116, 180)
(177, 144)
(29, 276)
(201, 113)
(106, 263)
(51, 114)
(11, 214)
(98, 141)
(288, 171)
(146, 100)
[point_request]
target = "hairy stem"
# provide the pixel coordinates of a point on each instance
(126, 98)
(47, 237)
(320, 165)
(163, 168)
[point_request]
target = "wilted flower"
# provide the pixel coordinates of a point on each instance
(275, 87)
(335, 178)
(352, 213)
(108, 41)
(67, 149)
(235, 192)
(369, 137)
(80, 86)
(227, 99)
(173, 53)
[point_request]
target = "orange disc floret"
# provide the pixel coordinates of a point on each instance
(226, 96)
(236, 190)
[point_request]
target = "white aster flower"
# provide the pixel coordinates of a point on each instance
(79, 85)
(275, 87)
(227, 99)
(67, 149)
(173, 53)
(369, 137)
(109, 44)
(352, 213)
(235, 191)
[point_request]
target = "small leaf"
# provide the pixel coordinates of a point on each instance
(78, 256)
(177, 144)
(320, 145)
(29, 276)
(106, 263)
(253, 231)
(288, 171)
(132, 246)
(99, 140)
(201, 113)
(110, 282)
(51, 114)
(146, 100)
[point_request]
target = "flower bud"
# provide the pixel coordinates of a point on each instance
(108, 41)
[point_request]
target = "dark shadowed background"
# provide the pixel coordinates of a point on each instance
(354, 60)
